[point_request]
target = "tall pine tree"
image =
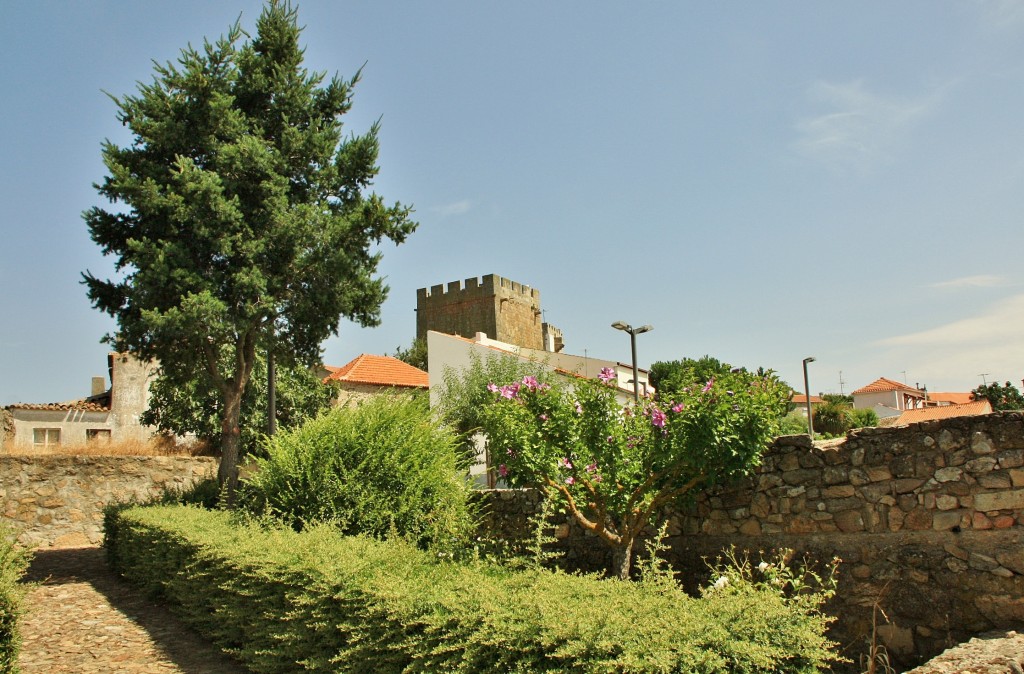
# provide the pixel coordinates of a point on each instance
(241, 218)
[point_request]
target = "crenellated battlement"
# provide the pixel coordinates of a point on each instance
(484, 286)
(501, 308)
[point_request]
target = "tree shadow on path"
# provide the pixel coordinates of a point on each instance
(69, 579)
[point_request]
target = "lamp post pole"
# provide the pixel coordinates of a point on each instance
(633, 332)
(807, 392)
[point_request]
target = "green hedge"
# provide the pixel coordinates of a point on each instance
(282, 601)
(13, 562)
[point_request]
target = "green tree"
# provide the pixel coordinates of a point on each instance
(415, 355)
(832, 417)
(1002, 397)
(616, 469)
(192, 405)
(670, 378)
(241, 221)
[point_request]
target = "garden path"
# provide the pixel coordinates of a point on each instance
(82, 618)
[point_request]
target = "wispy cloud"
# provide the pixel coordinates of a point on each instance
(989, 342)
(455, 208)
(1001, 14)
(978, 281)
(858, 127)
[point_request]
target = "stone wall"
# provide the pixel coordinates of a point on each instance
(59, 500)
(928, 520)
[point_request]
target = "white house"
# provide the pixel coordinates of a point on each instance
(888, 398)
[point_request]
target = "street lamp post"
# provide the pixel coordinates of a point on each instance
(633, 332)
(807, 392)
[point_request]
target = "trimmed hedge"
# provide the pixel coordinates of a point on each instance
(13, 562)
(282, 601)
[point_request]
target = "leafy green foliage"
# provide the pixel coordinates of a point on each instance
(415, 355)
(1002, 396)
(379, 469)
(464, 393)
(241, 222)
(794, 423)
(13, 563)
(615, 469)
(669, 378)
(190, 404)
(832, 418)
(279, 600)
(863, 418)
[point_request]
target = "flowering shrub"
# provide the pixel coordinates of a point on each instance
(616, 467)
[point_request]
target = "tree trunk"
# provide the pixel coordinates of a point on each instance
(622, 558)
(230, 442)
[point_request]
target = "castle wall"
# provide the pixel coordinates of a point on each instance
(500, 308)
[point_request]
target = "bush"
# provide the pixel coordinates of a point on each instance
(794, 423)
(282, 601)
(863, 418)
(832, 418)
(380, 468)
(13, 562)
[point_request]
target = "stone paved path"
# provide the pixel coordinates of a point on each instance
(82, 619)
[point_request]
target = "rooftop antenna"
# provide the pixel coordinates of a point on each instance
(841, 382)
(983, 375)
(904, 376)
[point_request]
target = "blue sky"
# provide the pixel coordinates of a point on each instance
(760, 181)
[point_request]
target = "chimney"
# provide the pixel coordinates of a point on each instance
(99, 385)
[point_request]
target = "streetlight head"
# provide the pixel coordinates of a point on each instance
(809, 359)
(644, 328)
(619, 325)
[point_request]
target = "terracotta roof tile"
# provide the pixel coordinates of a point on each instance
(379, 371)
(72, 405)
(801, 399)
(951, 398)
(945, 412)
(882, 384)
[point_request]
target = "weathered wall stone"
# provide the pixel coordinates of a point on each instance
(59, 500)
(928, 520)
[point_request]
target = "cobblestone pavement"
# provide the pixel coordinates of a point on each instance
(81, 618)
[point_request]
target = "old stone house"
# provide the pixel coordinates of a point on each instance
(368, 375)
(106, 415)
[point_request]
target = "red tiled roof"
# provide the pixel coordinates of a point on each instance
(882, 384)
(801, 399)
(378, 371)
(951, 398)
(71, 405)
(945, 412)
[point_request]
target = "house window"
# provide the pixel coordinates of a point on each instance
(97, 435)
(45, 437)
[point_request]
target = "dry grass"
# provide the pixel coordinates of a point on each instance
(157, 446)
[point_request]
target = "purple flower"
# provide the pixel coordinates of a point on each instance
(503, 470)
(530, 382)
(611, 439)
(658, 418)
(579, 408)
(510, 391)
(570, 480)
(707, 387)
(606, 375)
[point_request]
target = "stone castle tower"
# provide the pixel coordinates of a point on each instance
(500, 308)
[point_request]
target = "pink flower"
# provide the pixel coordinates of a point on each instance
(579, 408)
(565, 463)
(707, 387)
(678, 408)
(570, 480)
(503, 470)
(658, 418)
(597, 478)
(511, 452)
(530, 382)
(510, 391)
(543, 417)
(606, 375)
(492, 387)
(592, 467)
